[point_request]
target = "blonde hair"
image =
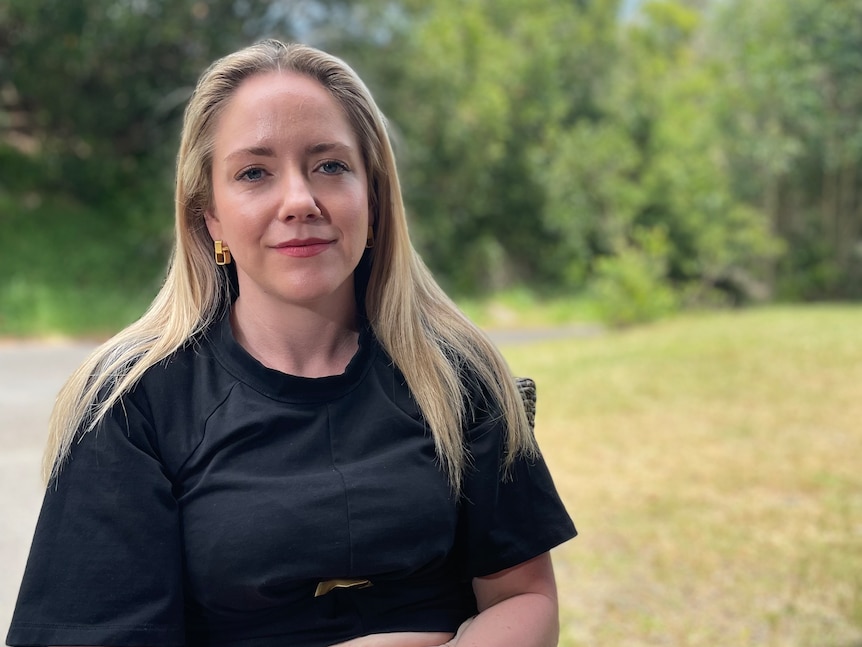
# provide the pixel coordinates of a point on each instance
(433, 344)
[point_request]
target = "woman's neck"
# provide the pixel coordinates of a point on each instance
(295, 339)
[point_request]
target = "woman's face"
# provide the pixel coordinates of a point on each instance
(290, 196)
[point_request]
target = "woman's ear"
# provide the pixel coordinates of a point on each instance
(213, 224)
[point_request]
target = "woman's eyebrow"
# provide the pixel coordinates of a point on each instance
(268, 151)
(326, 147)
(257, 151)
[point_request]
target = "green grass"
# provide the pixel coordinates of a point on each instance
(521, 308)
(712, 465)
(72, 270)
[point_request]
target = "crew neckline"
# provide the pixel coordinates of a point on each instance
(283, 386)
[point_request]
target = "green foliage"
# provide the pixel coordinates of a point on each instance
(537, 139)
(790, 111)
(74, 269)
(96, 86)
(631, 286)
(483, 88)
(716, 238)
(593, 195)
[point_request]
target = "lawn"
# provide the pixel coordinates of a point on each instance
(712, 465)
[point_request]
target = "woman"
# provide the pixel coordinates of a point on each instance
(302, 442)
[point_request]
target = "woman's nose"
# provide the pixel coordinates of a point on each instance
(298, 201)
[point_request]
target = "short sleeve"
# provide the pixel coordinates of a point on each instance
(105, 564)
(507, 518)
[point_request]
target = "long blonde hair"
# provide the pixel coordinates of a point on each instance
(425, 334)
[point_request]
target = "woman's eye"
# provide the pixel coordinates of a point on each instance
(332, 168)
(252, 174)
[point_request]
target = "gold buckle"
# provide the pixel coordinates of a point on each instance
(325, 587)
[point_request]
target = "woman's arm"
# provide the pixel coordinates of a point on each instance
(399, 639)
(517, 607)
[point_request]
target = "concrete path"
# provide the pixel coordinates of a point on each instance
(31, 373)
(30, 376)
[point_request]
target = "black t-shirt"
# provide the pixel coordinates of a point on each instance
(206, 508)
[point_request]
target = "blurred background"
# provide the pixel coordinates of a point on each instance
(635, 157)
(685, 175)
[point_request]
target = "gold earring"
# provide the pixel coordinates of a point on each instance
(222, 253)
(369, 243)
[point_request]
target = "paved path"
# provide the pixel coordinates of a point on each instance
(30, 375)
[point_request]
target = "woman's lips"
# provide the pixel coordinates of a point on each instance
(303, 248)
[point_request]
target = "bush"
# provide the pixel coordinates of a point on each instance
(632, 286)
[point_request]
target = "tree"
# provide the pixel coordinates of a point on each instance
(475, 91)
(665, 95)
(97, 86)
(793, 114)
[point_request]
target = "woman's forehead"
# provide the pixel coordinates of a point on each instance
(282, 108)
